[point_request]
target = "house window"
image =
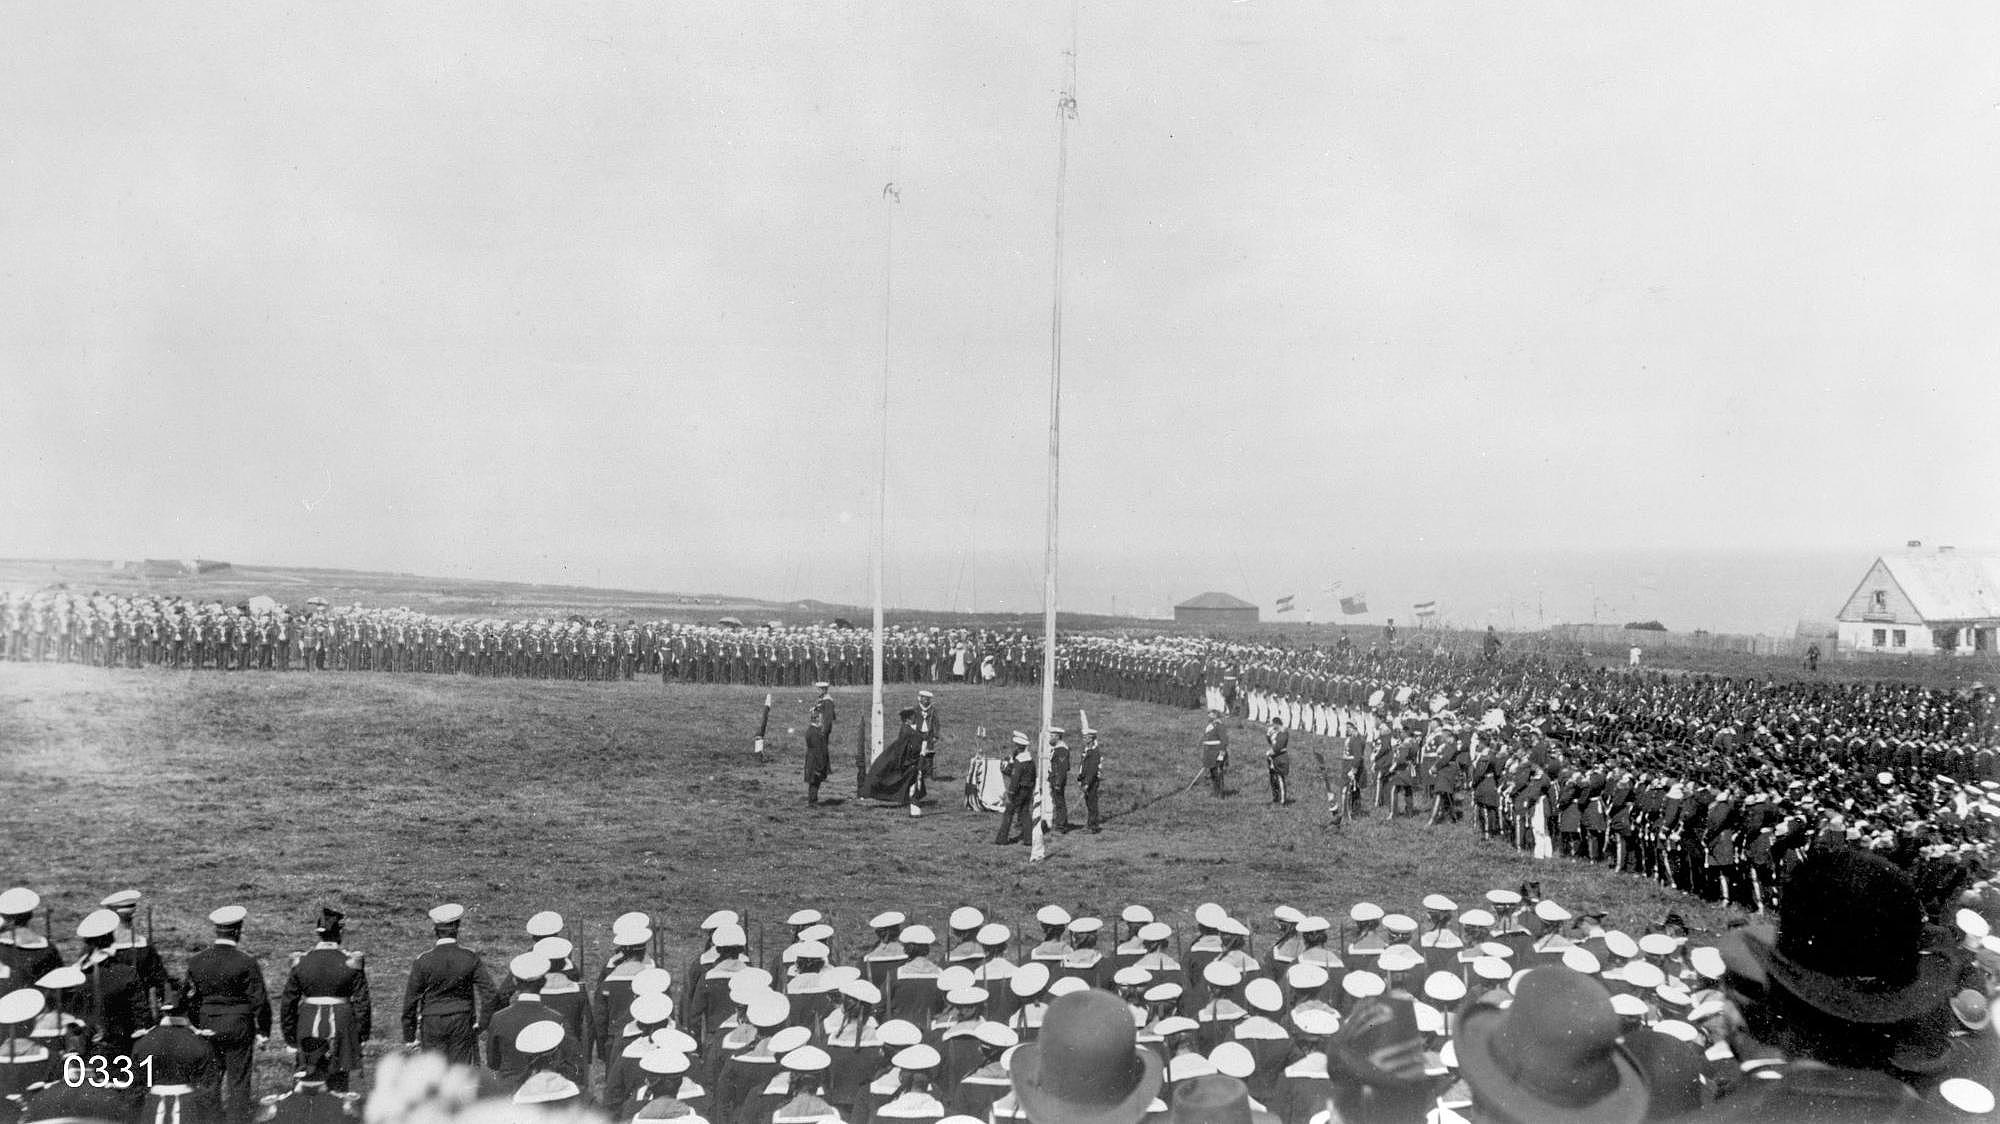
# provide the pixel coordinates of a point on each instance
(1902, 638)
(1881, 602)
(1881, 637)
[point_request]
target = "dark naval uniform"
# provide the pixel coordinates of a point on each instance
(327, 997)
(186, 1072)
(226, 997)
(819, 759)
(447, 1002)
(1088, 773)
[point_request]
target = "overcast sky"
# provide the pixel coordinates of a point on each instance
(596, 292)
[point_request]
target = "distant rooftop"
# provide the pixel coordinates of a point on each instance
(1948, 585)
(1213, 600)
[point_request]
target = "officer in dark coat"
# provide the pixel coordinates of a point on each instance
(449, 996)
(819, 734)
(1020, 774)
(186, 1072)
(1059, 779)
(1089, 771)
(326, 997)
(1278, 761)
(227, 998)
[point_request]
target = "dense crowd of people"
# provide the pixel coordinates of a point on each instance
(1853, 1005)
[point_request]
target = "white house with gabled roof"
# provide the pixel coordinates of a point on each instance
(1925, 601)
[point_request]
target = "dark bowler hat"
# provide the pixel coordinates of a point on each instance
(1086, 1066)
(1851, 941)
(1216, 1099)
(1552, 1056)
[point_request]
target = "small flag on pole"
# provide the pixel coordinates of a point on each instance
(1426, 608)
(1354, 606)
(1285, 602)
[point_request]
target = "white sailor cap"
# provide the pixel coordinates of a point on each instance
(1264, 994)
(21, 1006)
(1131, 976)
(665, 1062)
(1175, 1024)
(632, 919)
(993, 935)
(19, 900)
(730, 936)
(672, 1040)
(539, 1037)
(631, 937)
(1438, 903)
(546, 1087)
(837, 976)
(804, 917)
(746, 986)
(555, 948)
(955, 977)
(1503, 897)
(966, 917)
(1966, 1095)
(1643, 975)
(1306, 975)
(1580, 959)
(1222, 974)
(805, 950)
(1363, 984)
(1491, 968)
(1621, 945)
(1399, 958)
(821, 932)
(1477, 919)
(919, 1056)
(899, 1032)
(226, 917)
(441, 915)
(651, 1009)
(1444, 987)
(1551, 912)
(1315, 1022)
(1155, 931)
(547, 923)
(652, 981)
(718, 919)
(1136, 915)
(120, 899)
(1363, 912)
(61, 979)
(768, 1009)
(528, 966)
(1020, 738)
(1628, 1005)
(1232, 927)
(1064, 985)
(1314, 924)
(99, 923)
(1029, 980)
(888, 920)
(1657, 944)
(1399, 923)
(1052, 915)
(1288, 915)
(1084, 926)
(1209, 915)
(1232, 1059)
(925, 695)
(917, 934)
(1163, 992)
(806, 1059)
(1430, 1020)
(1707, 960)
(823, 686)
(1674, 1028)
(861, 991)
(968, 996)
(996, 1034)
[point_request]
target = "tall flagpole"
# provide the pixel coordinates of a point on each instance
(1065, 113)
(890, 197)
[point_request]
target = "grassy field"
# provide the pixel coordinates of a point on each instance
(385, 795)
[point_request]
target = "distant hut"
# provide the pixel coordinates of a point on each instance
(1215, 608)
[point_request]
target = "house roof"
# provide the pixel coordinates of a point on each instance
(1948, 585)
(1213, 600)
